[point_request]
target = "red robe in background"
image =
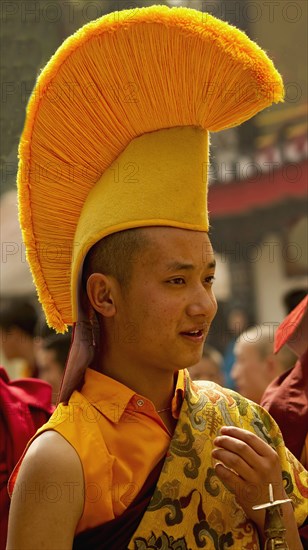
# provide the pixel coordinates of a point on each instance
(25, 405)
(286, 399)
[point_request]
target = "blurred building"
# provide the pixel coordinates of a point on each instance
(259, 173)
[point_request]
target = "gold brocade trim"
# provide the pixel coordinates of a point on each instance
(190, 507)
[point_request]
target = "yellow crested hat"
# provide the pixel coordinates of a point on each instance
(116, 134)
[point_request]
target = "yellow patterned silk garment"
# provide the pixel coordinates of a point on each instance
(190, 507)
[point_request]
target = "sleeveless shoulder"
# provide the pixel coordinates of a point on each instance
(48, 499)
(78, 422)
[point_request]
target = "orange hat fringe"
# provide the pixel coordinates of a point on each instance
(89, 104)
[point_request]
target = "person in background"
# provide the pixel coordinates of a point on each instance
(237, 322)
(51, 358)
(25, 405)
(255, 364)
(286, 398)
(18, 319)
(42, 330)
(292, 298)
(209, 367)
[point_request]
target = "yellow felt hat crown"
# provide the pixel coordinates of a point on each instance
(116, 134)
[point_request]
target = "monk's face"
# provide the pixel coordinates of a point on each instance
(164, 315)
(250, 370)
(207, 369)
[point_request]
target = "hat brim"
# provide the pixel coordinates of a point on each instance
(294, 329)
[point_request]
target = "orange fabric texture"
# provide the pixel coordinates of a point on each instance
(125, 434)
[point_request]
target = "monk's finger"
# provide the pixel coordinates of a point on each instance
(251, 439)
(229, 478)
(246, 494)
(241, 456)
(234, 461)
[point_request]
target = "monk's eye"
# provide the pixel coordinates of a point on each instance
(210, 280)
(177, 281)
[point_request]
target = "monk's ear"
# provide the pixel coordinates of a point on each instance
(100, 294)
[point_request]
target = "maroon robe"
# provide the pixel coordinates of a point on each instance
(286, 399)
(118, 532)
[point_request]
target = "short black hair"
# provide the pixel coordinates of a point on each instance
(60, 344)
(20, 313)
(293, 297)
(115, 255)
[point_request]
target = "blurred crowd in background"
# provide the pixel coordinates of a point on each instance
(247, 363)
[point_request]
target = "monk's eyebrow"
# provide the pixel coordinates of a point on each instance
(180, 266)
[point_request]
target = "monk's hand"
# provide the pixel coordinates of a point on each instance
(246, 465)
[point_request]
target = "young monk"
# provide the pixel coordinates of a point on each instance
(136, 455)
